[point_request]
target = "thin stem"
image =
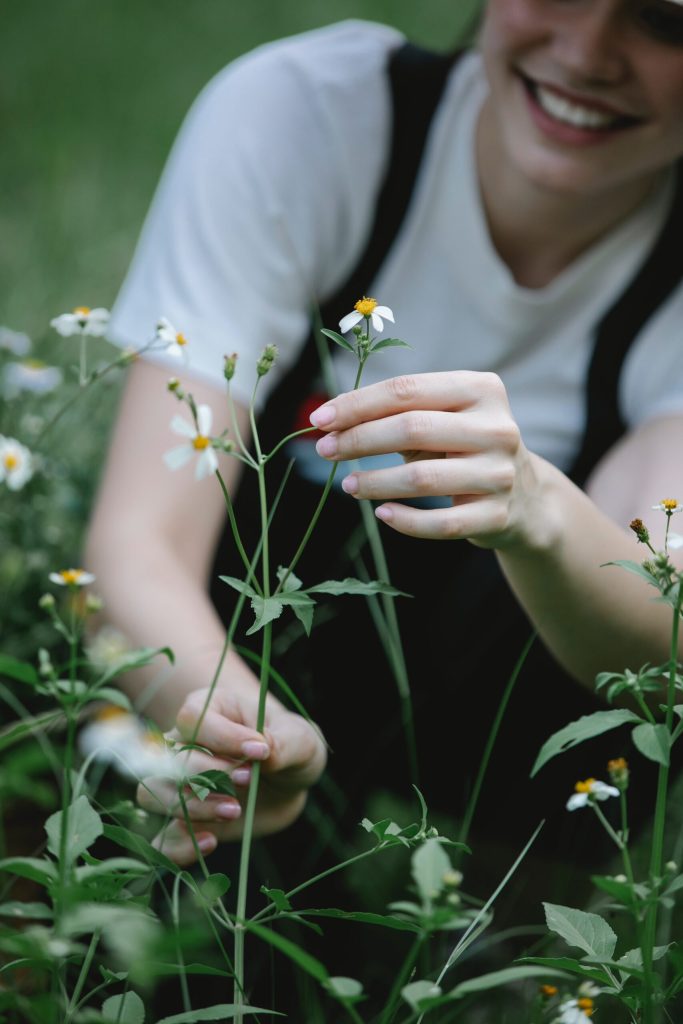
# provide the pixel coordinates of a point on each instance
(290, 437)
(82, 977)
(82, 363)
(309, 529)
(401, 979)
(235, 531)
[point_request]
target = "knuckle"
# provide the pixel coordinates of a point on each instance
(491, 383)
(500, 519)
(421, 476)
(402, 388)
(416, 428)
(504, 477)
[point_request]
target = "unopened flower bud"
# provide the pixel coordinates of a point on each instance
(452, 878)
(229, 365)
(671, 867)
(661, 560)
(44, 662)
(358, 330)
(548, 991)
(618, 772)
(46, 602)
(620, 878)
(640, 530)
(266, 360)
(93, 604)
(453, 899)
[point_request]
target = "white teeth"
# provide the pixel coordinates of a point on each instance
(574, 114)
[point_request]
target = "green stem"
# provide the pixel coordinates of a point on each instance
(82, 364)
(401, 980)
(290, 437)
(236, 533)
(82, 977)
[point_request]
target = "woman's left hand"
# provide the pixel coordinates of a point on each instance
(458, 439)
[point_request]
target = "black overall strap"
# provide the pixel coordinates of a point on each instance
(654, 281)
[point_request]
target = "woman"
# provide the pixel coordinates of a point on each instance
(547, 178)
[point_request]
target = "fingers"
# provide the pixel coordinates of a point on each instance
(450, 391)
(429, 477)
(160, 796)
(220, 732)
(484, 520)
(177, 844)
(298, 754)
(418, 430)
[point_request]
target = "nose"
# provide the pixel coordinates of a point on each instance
(590, 43)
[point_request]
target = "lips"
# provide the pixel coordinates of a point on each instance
(571, 118)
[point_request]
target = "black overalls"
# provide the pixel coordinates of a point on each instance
(462, 629)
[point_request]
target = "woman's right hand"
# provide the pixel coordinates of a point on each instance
(291, 752)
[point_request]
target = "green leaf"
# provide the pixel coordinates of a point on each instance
(22, 671)
(637, 569)
(589, 932)
(138, 658)
(565, 963)
(503, 977)
(215, 780)
(222, 1011)
(292, 581)
(417, 991)
(389, 343)
(303, 607)
(112, 866)
(124, 1009)
(674, 885)
(621, 891)
(582, 729)
(429, 864)
(26, 911)
(266, 609)
(213, 887)
(38, 869)
(239, 585)
(278, 897)
(383, 920)
(653, 742)
(344, 988)
(116, 697)
(308, 963)
(84, 826)
(353, 586)
(634, 957)
(338, 339)
(18, 730)
(139, 845)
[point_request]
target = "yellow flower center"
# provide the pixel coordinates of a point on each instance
(10, 462)
(365, 306)
(82, 311)
(669, 504)
(71, 576)
(199, 443)
(110, 713)
(549, 991)
(617, 764)
(585, 787)
(586, 1005)
(33, 364)
(180, 339)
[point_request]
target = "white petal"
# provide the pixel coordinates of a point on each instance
(377, 322)
(204, 419)
(384, 312)
(66, 325)
(675, 540)
(349, 321)
(183, 428)
(54, 577)
(577, 800)
(207, 463)
(177, 457)
(601, 791)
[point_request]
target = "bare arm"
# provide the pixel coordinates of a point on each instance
(550, 537)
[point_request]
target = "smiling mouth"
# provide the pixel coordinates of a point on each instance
(573, 113)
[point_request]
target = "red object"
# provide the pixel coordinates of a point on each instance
(309, 404)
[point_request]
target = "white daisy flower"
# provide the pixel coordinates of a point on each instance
(16, 463)
(668, 505)
(106, 648)
(675, 540)
(71, 578)
(174, 341)
(82, 320)
(198, 443)
(119, 738)
(366, 309)
(588, 988)
(588, 791)
(575, 1011)
(14, 341)
(30, 375)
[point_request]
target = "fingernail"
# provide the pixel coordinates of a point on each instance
(350, 484)
(384, 513)
(322, 416)
(206, 843)
(228, 810)
(241, 776)
(255, 751)
(327, 446)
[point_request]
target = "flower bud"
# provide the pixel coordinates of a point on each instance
(266, 360)
(452, 878)
(548, 991)
(173, 384)
(671, 867)
(229, 365)
(620, 878)
(618, 772)
(44, 662)
(93, 604)
(47, 602)
(640, 530)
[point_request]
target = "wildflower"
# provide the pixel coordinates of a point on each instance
(107, 648)
(618, 772)
(198, 442)
(16, 463)
(31, 375)
(548, 991)
(675, 540)
(174, 341)
(589, 791)
(72, 578)
(229, 365)
(82, 320)
(119, 738)
(671, 867)
(668, 505)
(366, 309)
(575, 1011)
(173, 384)
(588, 988)
(640, 530)
(266, 360)
(620, 878)
(46, 602)
(14, 341)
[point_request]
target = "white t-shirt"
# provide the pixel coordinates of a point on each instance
(267, 201)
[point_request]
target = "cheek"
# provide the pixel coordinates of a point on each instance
(511, 24)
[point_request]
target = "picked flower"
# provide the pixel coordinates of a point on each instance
(16, 342)
(16, 463)
(366, 309)
(618, 772)
(588, 792)
(174, 341)
(668, 505)
(82, 320)
(72, 578)
(119, 738)
(30, 375)
(198, 443)
(576, 1011)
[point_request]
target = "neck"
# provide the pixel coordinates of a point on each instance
(536, 230)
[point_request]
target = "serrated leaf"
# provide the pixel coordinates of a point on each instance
(428, 865)
(266, 609)
(292, 581)
(22, 671)
(305, 961)
(417, 991)
(389, 343)
(278, 897)
(653, 741)
(589, 932)
(634, 957)
(582, 729)
(338, 339)
(344, 988)
(240, 585)
(303, 607)
(20, 911)
(353, 586)
(214, 780)
(383, 920)
(222, 1011)
(135, 659)
(565, 963)
(127, 1008)
(637, 569)
(84, 826)
(37, 869)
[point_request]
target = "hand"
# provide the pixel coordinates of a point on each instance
(458, 439)
(291, 751)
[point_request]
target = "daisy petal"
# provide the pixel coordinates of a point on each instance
(204, 419)
(182, 427)
(577, 800)
(349, 321)
(385, 313)
(177, 457)
(207, 464)
(377, 322)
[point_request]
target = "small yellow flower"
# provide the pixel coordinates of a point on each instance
(548, 991)
(668, 505)
(72, 578)
(588, 791)
(174, 342)
(82, 320)
(366, 309)
(618, 772)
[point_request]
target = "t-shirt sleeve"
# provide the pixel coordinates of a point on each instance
(261, 208)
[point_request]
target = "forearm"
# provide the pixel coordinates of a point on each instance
(593, 617)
